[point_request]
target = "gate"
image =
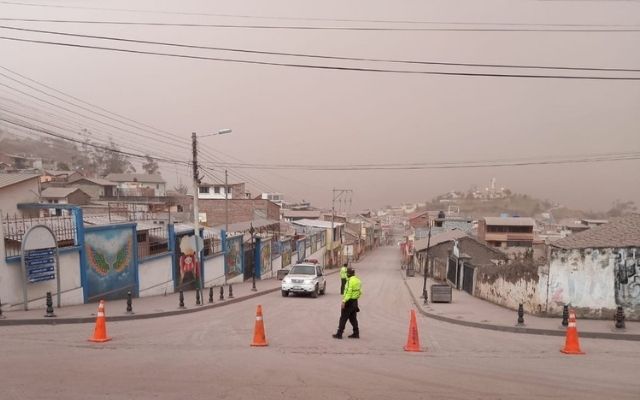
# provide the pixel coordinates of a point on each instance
(467, 279)
(249, 260)
(452, 272)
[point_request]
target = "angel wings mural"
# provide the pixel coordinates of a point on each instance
(103, 263)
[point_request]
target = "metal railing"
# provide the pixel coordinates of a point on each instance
(212, 244)
(14, 228)
(152, 242)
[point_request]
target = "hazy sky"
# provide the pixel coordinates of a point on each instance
(282, 115)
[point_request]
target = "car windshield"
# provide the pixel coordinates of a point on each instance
(303, 270)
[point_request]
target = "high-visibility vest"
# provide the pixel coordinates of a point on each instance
(343, 273)
(353, 289)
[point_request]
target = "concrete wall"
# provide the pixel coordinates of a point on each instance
(240, 210)
(155, 276)
(22, 192)
(11, 283)
(509, 293)
(595, 281)
(214, 271)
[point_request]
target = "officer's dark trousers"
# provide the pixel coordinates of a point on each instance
(342, 284)
(350, 313)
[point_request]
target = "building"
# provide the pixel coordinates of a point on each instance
(49, 175)
(277, 198)
(95, 187)
(214, 212)
(220, 191)
(295, 215)
(506, 231)
(597, 270)
(138, 185)
(58, 195)
(16, 189)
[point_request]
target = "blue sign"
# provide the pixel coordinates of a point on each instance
(40, 264)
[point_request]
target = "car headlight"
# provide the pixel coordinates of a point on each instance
(308, 281)
(286, 280)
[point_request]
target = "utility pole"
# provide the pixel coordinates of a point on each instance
(196, 213)
(337, 194)
(226, 214)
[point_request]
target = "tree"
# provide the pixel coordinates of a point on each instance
(109, 160)
(62, 166)
(150, 166)
(181, 188)
(620, 208)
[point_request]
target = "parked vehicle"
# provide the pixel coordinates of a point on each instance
(305, 278)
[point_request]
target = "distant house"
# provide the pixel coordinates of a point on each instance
(49, 175)
(277, 198)
(94, 187)
(59, 195)
(506, 231)
(295, 215)
(138, 185)
(16, 189)
(220, 191)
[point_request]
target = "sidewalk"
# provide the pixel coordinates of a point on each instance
(146, 307)
(474, 312)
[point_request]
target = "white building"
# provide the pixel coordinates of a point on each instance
(138, 185)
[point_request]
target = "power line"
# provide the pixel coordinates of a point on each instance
(153, 129)
(323, 28)
(249, 16)
(324, 67)
(316, 56)
(45, 131)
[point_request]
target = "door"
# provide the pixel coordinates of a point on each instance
(467, 278)
(249, 260)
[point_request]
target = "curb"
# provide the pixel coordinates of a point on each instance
(513, 329)
(84, 320)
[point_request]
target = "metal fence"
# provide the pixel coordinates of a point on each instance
(152, 242)
(14, 228)
(212, 244)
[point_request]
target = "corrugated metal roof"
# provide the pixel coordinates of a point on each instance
(447, 236)
(245, 226)
(619, 232)
(509, 221)
(58, 192)
(97, 181)
(12, 179)
(316, 223)
(301, 213)
(146, 178)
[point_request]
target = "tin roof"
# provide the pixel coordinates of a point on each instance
(619, 232)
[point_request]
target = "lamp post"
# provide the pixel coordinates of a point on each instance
(424, 283)
(252, 231)
(196, 194)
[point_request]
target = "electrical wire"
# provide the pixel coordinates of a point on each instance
(249, 16)
(317, 56)
(326, 67)
(323, 28)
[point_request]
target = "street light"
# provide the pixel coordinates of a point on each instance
(252, 231)
(196, 192)
(424, 284)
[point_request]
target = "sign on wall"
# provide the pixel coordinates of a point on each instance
(39, 259)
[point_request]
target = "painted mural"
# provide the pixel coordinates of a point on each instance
(314, 244)
(627, 277)
(301, 249)
(265, 257)
(233, 257)
(286, 253)
(186, 263)
(276, 249)
(111, 269)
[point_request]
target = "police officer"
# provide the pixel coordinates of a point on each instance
(343, 278)
(352, 293)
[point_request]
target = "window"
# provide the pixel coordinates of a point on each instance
(203, 190)
(216, 189)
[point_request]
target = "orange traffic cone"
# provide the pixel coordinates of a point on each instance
(572, 343)
(259, 338)
(100, 333)
(413, 340)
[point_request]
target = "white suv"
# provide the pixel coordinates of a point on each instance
(305, 278)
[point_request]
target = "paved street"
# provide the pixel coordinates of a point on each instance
(207, 354)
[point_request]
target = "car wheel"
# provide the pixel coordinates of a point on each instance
(314, 294)
(324, 288)
(285, 293)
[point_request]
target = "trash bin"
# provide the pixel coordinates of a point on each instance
(281, 274)
(441, 294)
(411, 272)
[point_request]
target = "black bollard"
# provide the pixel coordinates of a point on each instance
(198, 303)
(520, 315)
(565, 316)
(49, 306)
(211, 294)
(1, 316)
(425, 295)
(221, 292)
(619, 318)
(181, 306)
(129, 303)
(230, 291)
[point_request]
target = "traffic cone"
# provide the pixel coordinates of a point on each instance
(100, 333)
(259, 338)
(572, 343)
(413, 340)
